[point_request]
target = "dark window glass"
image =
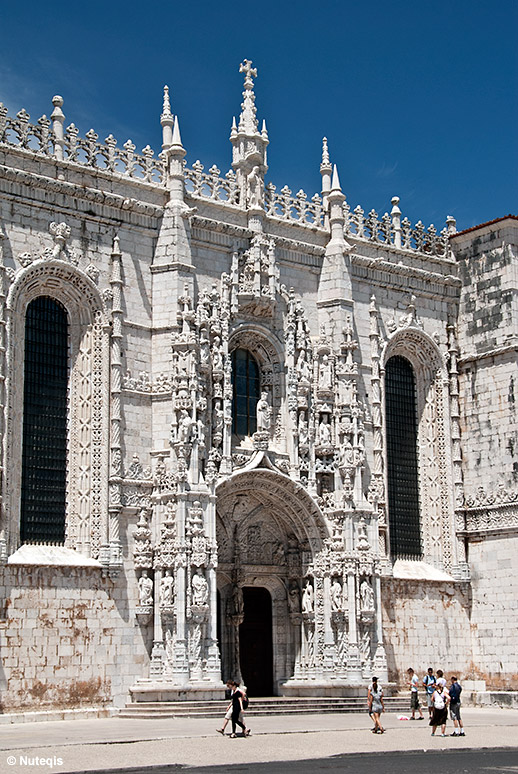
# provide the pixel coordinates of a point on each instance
(245, 387)
(402, 465)
(44, 422)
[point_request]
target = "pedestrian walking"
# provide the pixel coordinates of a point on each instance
(429, 685)
(228, 713)
(237, 698)
(376, 705)
(455, 691)
(414, 694)
(439, 717)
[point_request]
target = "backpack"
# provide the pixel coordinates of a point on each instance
(246, 702)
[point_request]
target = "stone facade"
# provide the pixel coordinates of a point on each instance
(173, 518)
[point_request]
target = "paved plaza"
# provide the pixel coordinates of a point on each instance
(116, 744)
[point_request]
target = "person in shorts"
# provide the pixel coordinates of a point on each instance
(429, 685)
(455, 690)
(414, 694)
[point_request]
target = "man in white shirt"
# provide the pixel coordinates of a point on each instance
(414, 695)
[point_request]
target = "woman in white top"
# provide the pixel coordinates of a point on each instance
(439, 717)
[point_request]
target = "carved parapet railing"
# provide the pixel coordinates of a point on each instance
(209, 185)
(398, 233)
(294, 208)
(87, 151)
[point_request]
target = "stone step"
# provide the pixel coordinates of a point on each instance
(258, 707)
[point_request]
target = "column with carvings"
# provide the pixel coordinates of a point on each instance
(3, 535)
(115, 487)
(460, 568)
(377, 488)
(354, 671)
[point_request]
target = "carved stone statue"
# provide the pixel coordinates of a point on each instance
(145, 590)
(217, 418)
(184, 429)
(324, 431)
(303, 368)
(308, 598)
(263, 413)
(236, 605)
(166, 589)
(303, 429)
(200, 588)
(336, 596)
(255, 186)
(366, 595)
(217, 359)
(324, 374)
(294, 598)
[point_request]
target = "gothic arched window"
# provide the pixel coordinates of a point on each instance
(245, 392)
(402, 461)
(44, 451)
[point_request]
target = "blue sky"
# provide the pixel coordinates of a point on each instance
(417, 99)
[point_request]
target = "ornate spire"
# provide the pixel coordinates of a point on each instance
(166, 121)
(326, 164)
(249, 146)
(177, 140)
(335, 184)
(248, 118)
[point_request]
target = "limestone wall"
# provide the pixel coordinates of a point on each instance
(425, 623)
(67, 638)
(494, 615)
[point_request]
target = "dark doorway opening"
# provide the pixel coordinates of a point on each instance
(255, 642)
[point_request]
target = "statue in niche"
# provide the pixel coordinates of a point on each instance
(217, 358)
(169, 644)
(184, 427)
(145, 590)
(324, 374)
(366, 595)
(324, 431)
(363, 541)
(204, 348)
(294, 598)
(336, 596)
(346, 453)
(255, 188)
(200, 588)
(183, 364)
(217, 418)
(263, 413)
(236, 605)
(166, 589)
(308, 598)
(303, 429)
(303, 368)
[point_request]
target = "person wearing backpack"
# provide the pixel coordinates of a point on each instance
(429, 683)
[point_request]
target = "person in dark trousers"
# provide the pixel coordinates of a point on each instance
(455, 690)
(237, 708)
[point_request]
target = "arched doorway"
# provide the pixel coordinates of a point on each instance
(268, 532)
(255, 641)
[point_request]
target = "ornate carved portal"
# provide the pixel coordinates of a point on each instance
(263, 542)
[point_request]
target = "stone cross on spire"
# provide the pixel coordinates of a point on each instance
(250, 72)
(247, 119)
